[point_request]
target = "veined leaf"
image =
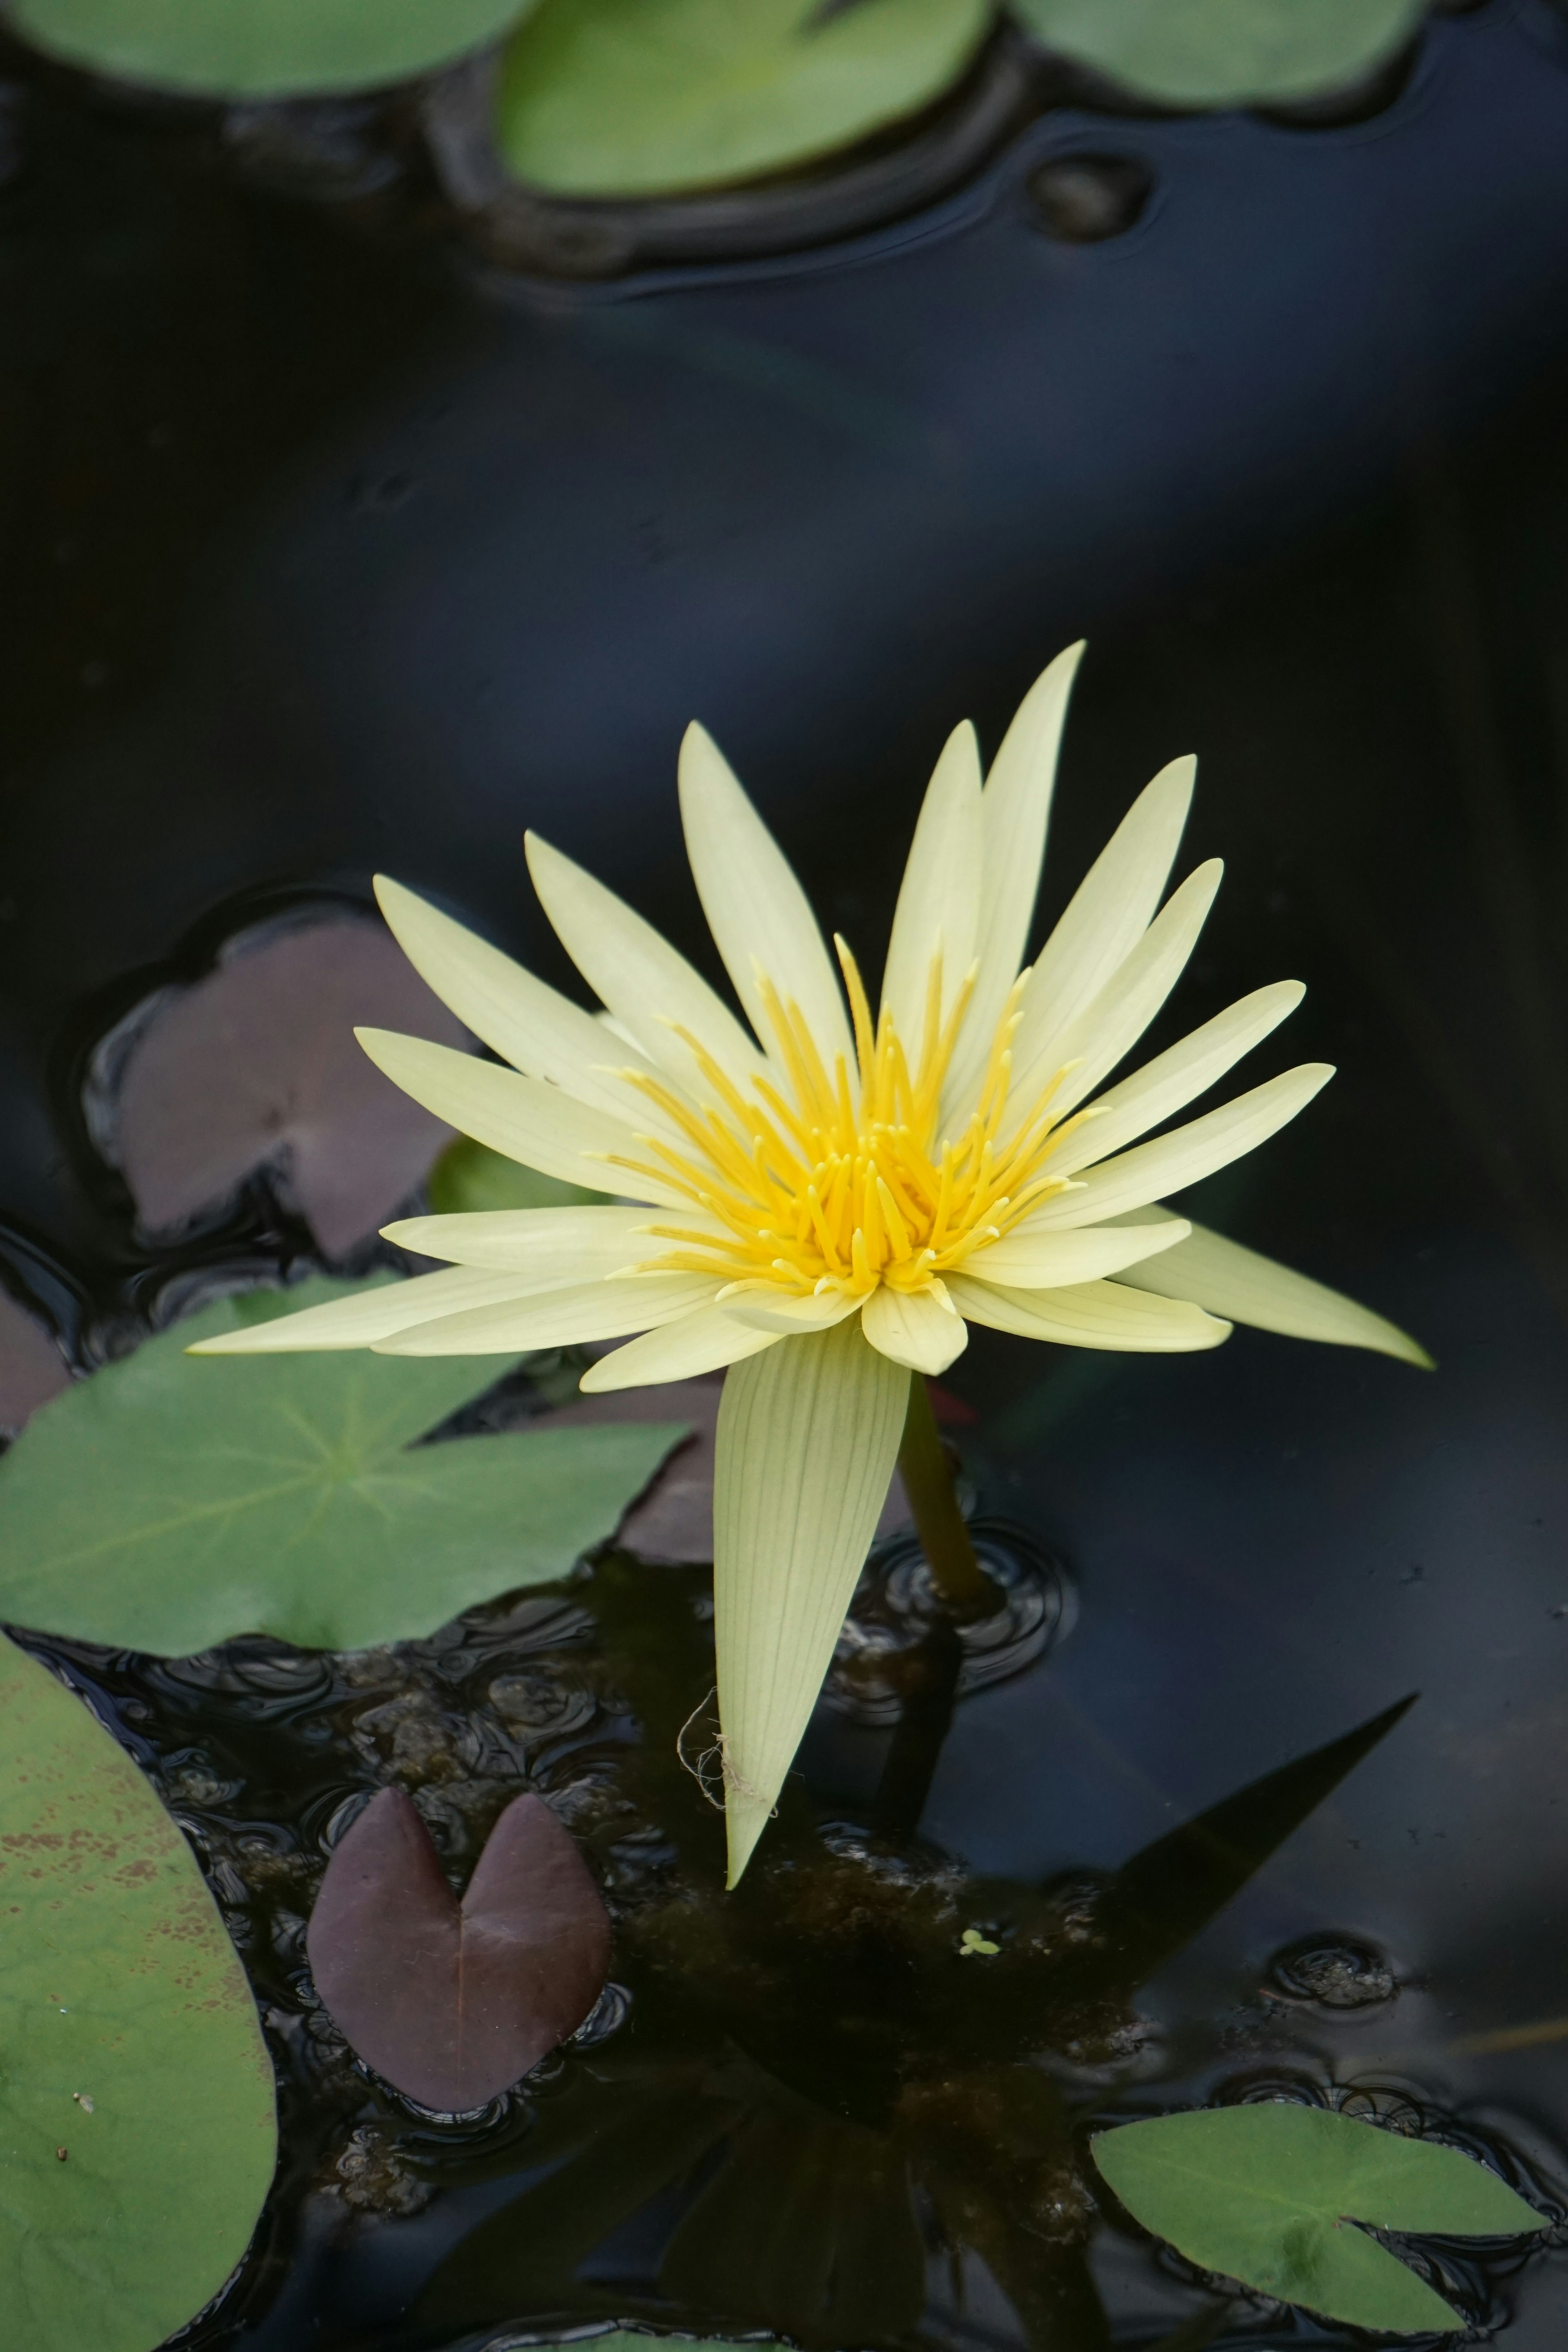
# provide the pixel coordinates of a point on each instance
(137, 2132)
(1265, 2194)
(808, 1435)
(604, 97)
(1225, 52)
(262, 48)
(172, 1501)
(470, 1176)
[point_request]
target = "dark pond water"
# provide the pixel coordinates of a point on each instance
(331, 547)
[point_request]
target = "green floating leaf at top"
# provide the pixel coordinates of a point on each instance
(1265, 2194)
(1225, 52)
(137, 2127)
(172, 1501)
(631, 98)
(469, 1176)
(262, 48)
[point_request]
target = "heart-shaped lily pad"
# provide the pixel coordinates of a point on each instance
(453, 2002)
(137, 2134)
(1267, 2194)
(256, 1066)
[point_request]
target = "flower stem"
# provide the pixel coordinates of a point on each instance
(956, 1573)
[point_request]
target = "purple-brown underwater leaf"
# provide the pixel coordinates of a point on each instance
(32, 1369)
(257, 1064)
(453, 2002)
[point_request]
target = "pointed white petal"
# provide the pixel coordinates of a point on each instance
(1174, 1079)
(1090, 1315)
(539, 1125)
(1107, 1029)
(1107, 917)
(920, 1330)
(768, 1309)
(560, 1317)
(1226, 1279)
(940, 898)
(537, 1030)
(808, 1434)
(635, 972)
(754, 905)
(1025, 1261)
(703, 1341)
(554, 1244)
(1014, 811)
(1186, 1155)
(373, 1315)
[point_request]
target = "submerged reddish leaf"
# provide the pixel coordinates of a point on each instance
(454, 2001)
(32, 1369)
(257, 1065)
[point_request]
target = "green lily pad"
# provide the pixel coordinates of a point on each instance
(1225, 52)
(172, 1501)
(469, 1176)
(1267, 2194)
(137, 2127)
(621, 98)
(262, 48)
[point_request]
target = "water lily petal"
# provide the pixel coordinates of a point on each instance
(1107, 1029)
(360, 1322)
(916, 1328)
(1029, 1261)
(1226, 1279)
(765, 1307)
(523, 1117)
(1090, 1315)
(808, 1434)
(756, 909)
(703, 1341)
(940, 898)
(536, 1029)
(1014, 811)
(1177, 1078)
(1106, 917)
(554, 1244)
(635, 972)
(1184, 1156)
(559, 1317)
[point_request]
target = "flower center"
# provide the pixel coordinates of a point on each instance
(858, 1181)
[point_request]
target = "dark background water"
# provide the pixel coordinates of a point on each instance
(329, 547)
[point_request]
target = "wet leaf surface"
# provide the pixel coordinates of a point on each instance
(173, 1501)
(1266, 2193)
(634, 97)
(137, 2132)
(453, 2002)
(263, 48)
(256, 1066)
(1224, 52)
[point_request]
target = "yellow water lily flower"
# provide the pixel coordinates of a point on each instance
(823, 1202)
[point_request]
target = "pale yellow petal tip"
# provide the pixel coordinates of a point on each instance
(745, 1818)
(1409, 1351)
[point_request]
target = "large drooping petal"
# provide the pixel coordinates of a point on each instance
(360, 1322)
(539, 1125)
(808, 1434)
(756, 909)
(703, 1341)
(560, 1317)
(920, 1330)
(1106, 917)
(1014, 811)
(1186, 1156)
(1110, 1025)
(1241, 1283)
(1030, 1260)
(1090, 1315)
(553, 1246)
(1176, 1077)
(636, 974)
(940, 898)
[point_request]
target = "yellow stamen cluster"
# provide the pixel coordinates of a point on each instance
(851, 1184)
